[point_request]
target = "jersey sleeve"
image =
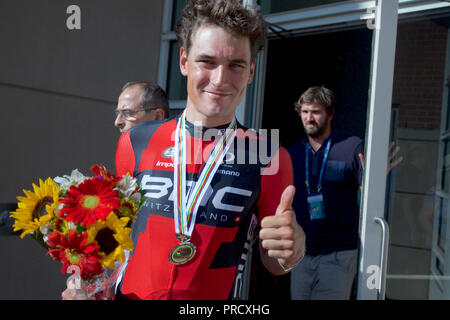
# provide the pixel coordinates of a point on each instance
(125, 159)
(275, 178)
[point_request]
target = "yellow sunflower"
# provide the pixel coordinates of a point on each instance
(112, 237)
(37, 208)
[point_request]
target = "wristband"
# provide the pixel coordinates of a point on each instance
(298, 262)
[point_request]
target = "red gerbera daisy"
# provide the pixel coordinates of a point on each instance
(73, 250)
(92, 200)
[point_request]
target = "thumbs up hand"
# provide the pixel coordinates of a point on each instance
(281, 235)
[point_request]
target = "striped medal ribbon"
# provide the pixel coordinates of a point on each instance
(186, 205)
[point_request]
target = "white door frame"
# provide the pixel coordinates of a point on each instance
(375, 240)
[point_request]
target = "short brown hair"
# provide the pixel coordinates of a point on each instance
(152, 97)
(317, 94)
(227, 14)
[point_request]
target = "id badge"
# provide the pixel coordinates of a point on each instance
(315, 205)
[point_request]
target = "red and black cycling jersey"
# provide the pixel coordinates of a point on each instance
(241, 193)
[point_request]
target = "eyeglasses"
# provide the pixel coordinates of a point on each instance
(127, 114)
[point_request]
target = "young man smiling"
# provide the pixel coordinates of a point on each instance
(218, 67)
(183, 250)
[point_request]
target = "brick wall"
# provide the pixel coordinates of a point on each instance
(419, 74)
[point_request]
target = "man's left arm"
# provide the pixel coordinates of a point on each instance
(393, 158)
(282, 239)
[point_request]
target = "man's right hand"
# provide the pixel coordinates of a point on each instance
(71, 293)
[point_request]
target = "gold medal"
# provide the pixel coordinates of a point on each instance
(182, 253)
(186, 204)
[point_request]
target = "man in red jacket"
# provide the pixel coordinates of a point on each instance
(193, 234)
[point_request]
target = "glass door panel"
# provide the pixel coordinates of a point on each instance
(418, 188)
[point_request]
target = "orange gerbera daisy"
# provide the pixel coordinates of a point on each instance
(102, 173)
(92, 200)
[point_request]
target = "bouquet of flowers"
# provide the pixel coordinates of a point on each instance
(83, 222)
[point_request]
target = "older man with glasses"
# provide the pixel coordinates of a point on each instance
(140, 101)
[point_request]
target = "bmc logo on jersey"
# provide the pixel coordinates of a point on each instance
(158, 187)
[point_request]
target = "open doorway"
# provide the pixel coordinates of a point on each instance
(340, 60)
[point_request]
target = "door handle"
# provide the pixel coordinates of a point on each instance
(383, 256)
